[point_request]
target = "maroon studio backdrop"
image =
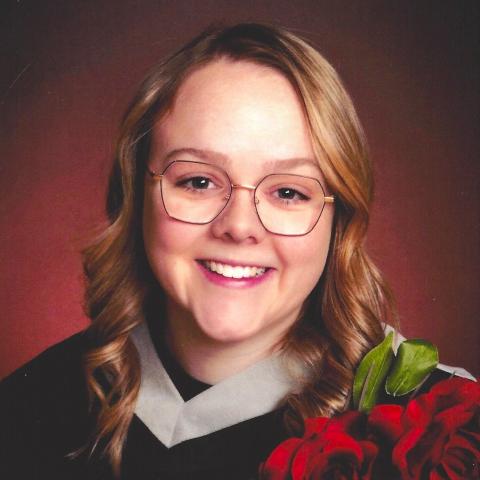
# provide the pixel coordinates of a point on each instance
(69, 69)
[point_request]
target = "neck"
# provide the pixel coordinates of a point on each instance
(207, 359)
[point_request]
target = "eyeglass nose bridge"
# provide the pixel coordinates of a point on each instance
(251, 188)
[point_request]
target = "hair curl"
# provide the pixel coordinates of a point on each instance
(341, 318)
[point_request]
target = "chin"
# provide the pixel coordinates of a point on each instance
(228, 331)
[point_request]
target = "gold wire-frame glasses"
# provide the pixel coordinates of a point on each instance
(197, 192)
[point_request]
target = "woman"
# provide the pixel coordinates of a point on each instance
(230, 294)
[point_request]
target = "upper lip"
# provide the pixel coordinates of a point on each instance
(233, 263)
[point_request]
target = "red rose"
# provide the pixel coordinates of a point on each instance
(351, 446)
(442, 433)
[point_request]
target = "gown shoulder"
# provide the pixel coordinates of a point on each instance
(44, 413)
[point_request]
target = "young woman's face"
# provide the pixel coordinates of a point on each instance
(246, 119)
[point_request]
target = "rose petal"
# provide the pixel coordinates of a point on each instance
(277, 465)
(304, 454)
(462, 389)
(370, 453)
(315, 425)
(387, 419)
(454, 417)
(418, 413)
(342, 442)
(404, 445)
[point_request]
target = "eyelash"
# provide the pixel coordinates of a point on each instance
(300, 196)
(185, 183)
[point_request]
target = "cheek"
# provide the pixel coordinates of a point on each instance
(162, 235)
(305, 257)
(166, 240)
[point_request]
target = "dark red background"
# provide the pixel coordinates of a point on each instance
(69, 69)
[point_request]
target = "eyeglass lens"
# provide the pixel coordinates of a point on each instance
(197, 192)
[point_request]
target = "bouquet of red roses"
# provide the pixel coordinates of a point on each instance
(435, 436)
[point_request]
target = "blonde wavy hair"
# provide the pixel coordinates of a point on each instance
(342, 317)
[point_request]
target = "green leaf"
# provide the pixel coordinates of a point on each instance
(415, 360)
(371, 374)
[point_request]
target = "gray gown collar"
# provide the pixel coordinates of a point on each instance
(257, 390)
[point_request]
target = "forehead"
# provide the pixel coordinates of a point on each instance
(240, 110)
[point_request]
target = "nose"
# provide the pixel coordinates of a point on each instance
(239, 220)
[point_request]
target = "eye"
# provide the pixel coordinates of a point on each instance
(288, 193)
(196, 183)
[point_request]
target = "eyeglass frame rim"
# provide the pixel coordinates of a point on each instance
(327, 199)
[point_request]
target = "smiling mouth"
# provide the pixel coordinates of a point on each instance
(230, 271)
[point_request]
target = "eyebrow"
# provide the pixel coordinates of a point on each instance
(223, 160)
(199, 153)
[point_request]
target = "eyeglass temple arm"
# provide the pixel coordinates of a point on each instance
(330, 199)
(154, 175)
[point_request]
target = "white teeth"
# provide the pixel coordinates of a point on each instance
(234, 272)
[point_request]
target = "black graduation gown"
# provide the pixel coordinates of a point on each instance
(44, 416)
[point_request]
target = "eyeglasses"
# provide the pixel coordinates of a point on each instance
(197, 192)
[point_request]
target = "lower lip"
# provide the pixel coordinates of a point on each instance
(234, 282)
